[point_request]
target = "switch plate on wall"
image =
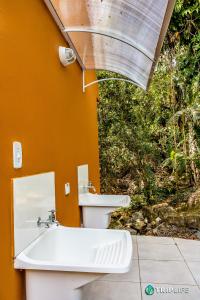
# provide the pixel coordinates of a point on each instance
(17, 155)
(67, 188)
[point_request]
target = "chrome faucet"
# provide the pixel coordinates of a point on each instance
(89, 186)
(50, 221)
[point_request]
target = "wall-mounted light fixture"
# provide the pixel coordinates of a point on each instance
(66, 56)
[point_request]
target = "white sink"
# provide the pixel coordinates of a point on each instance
(63, 259)
(59, 260)
(89, 199)
(97, 209)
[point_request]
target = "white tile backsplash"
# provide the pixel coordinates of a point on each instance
(33, 197)
(83, 177)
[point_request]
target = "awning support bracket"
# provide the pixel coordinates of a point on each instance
(106, 79)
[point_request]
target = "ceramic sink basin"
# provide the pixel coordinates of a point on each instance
(62, 260)
(58, 261)
(78, 250)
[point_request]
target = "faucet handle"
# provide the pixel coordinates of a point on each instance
(91, 186)
(39, 221)
(52, 215)
(52, 211)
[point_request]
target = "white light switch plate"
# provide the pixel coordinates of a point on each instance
(67, 188)
(17, 155)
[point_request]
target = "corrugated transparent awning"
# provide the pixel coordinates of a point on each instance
(123, 36)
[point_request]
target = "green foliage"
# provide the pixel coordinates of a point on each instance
(149, 142)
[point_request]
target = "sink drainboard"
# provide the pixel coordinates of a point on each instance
(109, 254)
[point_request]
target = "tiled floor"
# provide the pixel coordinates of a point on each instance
(170, 266)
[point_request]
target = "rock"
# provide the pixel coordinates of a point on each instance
(174, 219)
(124, 219)
(158, 220)
(155, 231)
(194, 198)
(149, 213)
(162, 211)
(198, 234)
(192, 220)
(116, 225)
(183, 206)
(139, 224)
(180, 220)
(129, 225)
(116, 215)
(153, 223)
(137, 216)
(149, 233)
(138, 221)
(185, 219)
(160, 205)
(148, 227)
(157, 211)
(165, 211)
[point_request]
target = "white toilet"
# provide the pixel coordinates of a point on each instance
(97, 209)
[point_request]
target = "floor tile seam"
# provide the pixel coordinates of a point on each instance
(187, 264)
(189, 260)
(141, 294)
(173, 284)
(169, 283)
(119, 281)
(152, 243)
(182, 243)
(162, 260)
(178, 260)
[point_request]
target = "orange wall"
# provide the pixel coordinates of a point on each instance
(41, 105)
